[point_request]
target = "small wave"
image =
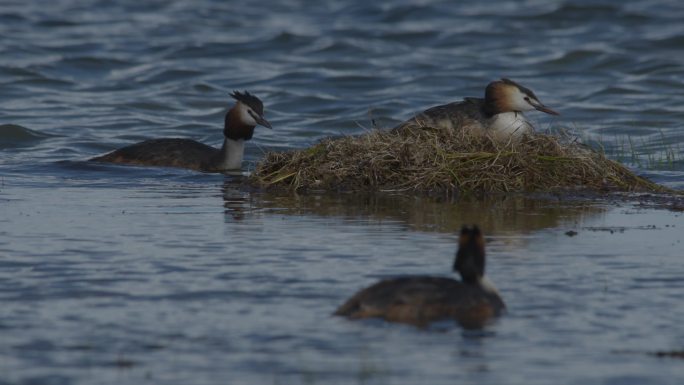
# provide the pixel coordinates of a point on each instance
(287, 37)
(12, 18)
(148, 106)
(17, 72)
(52, 23)
(13, 135)
(574, 11)
(168, 75)
(93, 62)
(402, 13)
(585, 58)
(675, 42)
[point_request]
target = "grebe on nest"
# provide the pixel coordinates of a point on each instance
(500, 112)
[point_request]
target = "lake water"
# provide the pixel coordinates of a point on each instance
(113, 275)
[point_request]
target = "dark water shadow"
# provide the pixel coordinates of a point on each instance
(519, 214)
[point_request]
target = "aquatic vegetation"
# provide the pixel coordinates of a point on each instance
(651, 154)
(447, 161)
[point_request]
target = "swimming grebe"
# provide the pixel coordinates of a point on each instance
(421, 300)
(500, 112)
(240, 121)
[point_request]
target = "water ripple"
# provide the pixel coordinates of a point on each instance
(109, 267)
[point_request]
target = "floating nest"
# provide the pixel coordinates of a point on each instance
(422, 159)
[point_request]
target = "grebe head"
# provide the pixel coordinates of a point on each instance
(247, 113)
(505, 95)
(470, 257)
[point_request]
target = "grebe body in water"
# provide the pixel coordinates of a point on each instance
(420, 300)
(239, 124)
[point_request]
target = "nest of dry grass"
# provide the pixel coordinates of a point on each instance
(446, 161)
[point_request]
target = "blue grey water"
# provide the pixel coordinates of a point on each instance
(112, 275)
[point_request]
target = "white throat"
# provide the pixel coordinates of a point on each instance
(487, 285)
(510, 124)
(232, 153)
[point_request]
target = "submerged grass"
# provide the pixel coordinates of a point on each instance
(446, 161)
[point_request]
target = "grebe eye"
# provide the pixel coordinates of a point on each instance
(527, 98)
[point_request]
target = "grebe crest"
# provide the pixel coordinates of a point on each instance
(420, 300)
(239, 124)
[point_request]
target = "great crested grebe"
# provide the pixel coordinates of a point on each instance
(240, 121)
(500, 112)
(420, 300)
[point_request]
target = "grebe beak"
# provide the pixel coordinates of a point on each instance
(540, 107)
(263, 122)
(260, 120)
(543, 108)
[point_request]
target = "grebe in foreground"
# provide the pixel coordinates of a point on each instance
(500, 112)
(240, 121)
(420, 300)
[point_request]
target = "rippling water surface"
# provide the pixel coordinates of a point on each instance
(136, 275)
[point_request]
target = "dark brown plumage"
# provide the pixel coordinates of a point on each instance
(454, 115)
(421, 300)
(168, 152)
